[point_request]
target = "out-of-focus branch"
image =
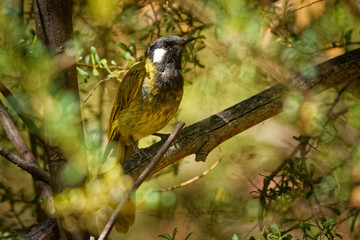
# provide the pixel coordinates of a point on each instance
(142, 177)
(33, 169)
(25, 154)
(194, 179)
(15, 137)
(202, 137)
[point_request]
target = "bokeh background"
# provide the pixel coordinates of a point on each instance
(243, 47)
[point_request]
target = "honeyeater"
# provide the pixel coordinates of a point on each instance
(147, 99)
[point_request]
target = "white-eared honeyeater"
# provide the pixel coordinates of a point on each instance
(147, 99)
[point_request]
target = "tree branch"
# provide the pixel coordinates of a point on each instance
(202, 137)
(142, 177)
(25, 153)
(46, 230)
(33, 169)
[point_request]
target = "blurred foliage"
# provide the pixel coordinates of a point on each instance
(294, 177)
(172, 237)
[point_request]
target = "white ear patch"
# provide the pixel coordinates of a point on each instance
(159, 54)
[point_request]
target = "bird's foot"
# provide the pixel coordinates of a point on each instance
(141, 153)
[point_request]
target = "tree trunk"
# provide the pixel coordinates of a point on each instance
(54, 28)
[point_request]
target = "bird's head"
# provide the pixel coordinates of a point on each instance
(166, 52)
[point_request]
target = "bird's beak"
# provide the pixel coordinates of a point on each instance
(186, 40)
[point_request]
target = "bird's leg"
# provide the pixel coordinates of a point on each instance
(139, 151)
(163, 136)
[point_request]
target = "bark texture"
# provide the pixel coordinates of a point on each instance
(46, 230)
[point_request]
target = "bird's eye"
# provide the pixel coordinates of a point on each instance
(165, 46)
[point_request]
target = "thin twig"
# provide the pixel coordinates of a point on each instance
(194, 179)
(33, 169)
(25, 154)
(96, 85)
(153, 162)
(305, 6)
(15, 137)
(262, 197)
(157, 23)
(80, 64)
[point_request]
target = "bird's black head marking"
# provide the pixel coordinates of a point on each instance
(166, 52)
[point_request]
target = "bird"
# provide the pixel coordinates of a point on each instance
(147, 98)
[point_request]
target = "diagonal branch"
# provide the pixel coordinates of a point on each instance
(15, 137)
(31, 168)
(27, 156)
(202, 137)
(142, 177)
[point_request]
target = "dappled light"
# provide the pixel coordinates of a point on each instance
(270, 102)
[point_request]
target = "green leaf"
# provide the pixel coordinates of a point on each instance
(166, 236)
(144, 36)
(329, 222)
(82, 72)
(272, 235)
(97, 58)
(94, 55)
(95, 72)
(79, 56)
(338, 235)
(186, 70)
(93, 50)
(276, 228)
(336, 211)
(235, 237)
(121, 55)
(262, 234)
(132, 42)
(174, 233)
(287, 237)
(353, 221)
(104, 63)
(127, 56)
(188, 236)
(123, 46)
(87, 59)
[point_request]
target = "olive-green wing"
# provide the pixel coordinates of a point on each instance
(127, 92)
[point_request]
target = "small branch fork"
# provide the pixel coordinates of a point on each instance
(194, 179)
(152, 165)
(31, 168)
(262, 198)
(27, 161)
(94, 88)
(305, 6)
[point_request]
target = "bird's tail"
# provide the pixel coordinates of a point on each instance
(119, 151)
(126, 217)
